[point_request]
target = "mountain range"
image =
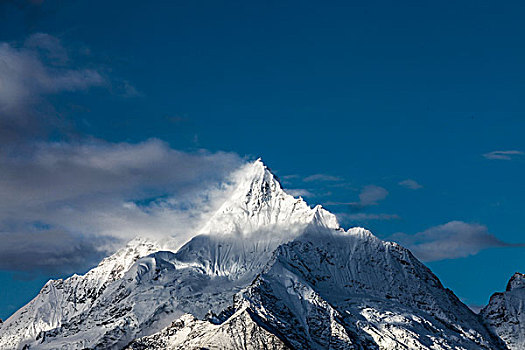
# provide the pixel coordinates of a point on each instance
(266, 271)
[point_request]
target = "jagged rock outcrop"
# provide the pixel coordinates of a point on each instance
(505, 312)
(240, 332)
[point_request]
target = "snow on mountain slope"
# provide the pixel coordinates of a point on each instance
(329, 289)
(61, 300)
(505, 312)
(376, 291)
(239, 332)
(154, 291)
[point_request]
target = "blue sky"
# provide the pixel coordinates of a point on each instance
(406, 118)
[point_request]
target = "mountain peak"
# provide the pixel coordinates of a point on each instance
(504, 313)
(258, 202)
(255, 178)
(517, 281)
(324, 218)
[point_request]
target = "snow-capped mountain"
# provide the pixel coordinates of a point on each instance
(506, 312)
(265, 272)
(339, 290)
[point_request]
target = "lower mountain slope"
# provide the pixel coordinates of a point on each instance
(62, 300)
(201, 277)
(342, 290)
(240, 332)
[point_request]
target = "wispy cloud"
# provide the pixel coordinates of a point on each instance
(288, 179)
(30, 72)
(503, 155)
(38, 68)
(50, 47)
(76, 200)
(362, 217)
(369, 195)
(322, 177)
(455, 239)
(410, 184)
(299, 192)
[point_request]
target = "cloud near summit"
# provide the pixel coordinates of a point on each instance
(76, 200)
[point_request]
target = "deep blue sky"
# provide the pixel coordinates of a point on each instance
(372, 92)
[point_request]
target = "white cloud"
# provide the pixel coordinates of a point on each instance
(455, 239)
(82, 198)
(64, 205)
(27, 72)
(410, 184)
(503, 155)
(299, 192)
(30, 72)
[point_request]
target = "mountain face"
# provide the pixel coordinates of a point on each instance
(61, 300)
(505, 312)
(240, 331)
(265, 272)
(341, 290)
